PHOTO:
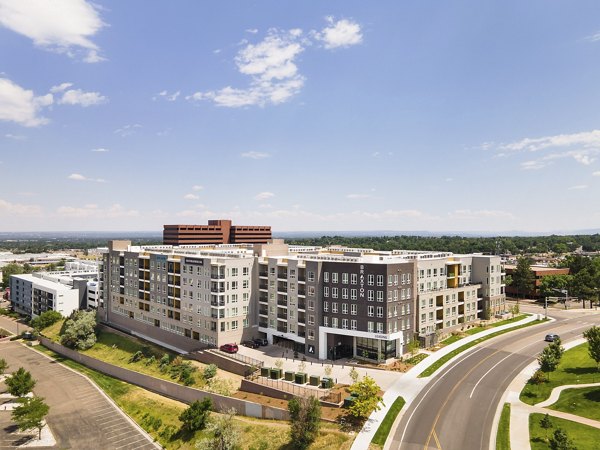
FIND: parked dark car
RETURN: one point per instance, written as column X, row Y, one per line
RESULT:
column 551, row 337
column 262, row 342
column 251, row 344
column 229, row 348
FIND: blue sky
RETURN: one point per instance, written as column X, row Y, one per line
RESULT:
column 338, row 115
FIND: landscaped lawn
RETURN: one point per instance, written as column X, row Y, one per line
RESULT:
column 159, row 417
column 583, row 402
column 476, row 330
column 584, row 437
column 576, row 367
column 503, row 435
column 386, row 424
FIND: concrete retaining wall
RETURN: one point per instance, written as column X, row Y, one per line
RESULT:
column 167, row 388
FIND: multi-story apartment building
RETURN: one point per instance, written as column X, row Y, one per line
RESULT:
column 326, row 302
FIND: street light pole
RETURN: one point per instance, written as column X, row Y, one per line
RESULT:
column 546, row 308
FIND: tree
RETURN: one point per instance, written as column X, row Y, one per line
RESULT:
column 523, row 277
column 557, row 349
column 225, row 434
column 79, row 331
column 413, row 346
column 8, row 270
column 515, row 310
column 194, row 418
column 305, row 417
column 367, row 396
column 354, row 374
column 30, row 414
column 593, row 337
column 549, row 283
column 209, row 372
column 547, row 360
column 546, row 424
column 560, row 441
column 3, row 366
column 20, row 383
column 45, row 319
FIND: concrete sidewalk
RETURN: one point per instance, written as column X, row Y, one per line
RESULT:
column 409, row 385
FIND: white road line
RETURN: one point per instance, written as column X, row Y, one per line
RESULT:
column 133, row 442
column 125, row 438
column 427, row 392
column 122, row 433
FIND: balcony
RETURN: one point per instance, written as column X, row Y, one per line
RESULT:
column 217, row 276
column 263, row 312
column 217, row 289
column 217, row 302
column 263, row 324
column 263, row 285
column 281, row 316
column 282, row 302
column 282, row 329
column 302, row 305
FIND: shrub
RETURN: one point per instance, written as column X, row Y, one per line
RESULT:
column 46, row 319
column 136, row 357
column 209, row 372
column 538, row 377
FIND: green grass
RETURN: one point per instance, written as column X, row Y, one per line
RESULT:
column 444, row 359
column 583, row 437
column 452, row 339
column 386, row 424
column 576, row 367
column 584, row 402
column 159, row 416
column 503, row 435
column 414, row 360
column 476, row 330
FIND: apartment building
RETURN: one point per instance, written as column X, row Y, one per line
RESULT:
column 216, row 232
column 325, row 302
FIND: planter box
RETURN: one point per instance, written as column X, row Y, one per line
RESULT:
column 314, row 380
column 264, row 372
column 289, row 376
column 276, row 374
column 300, row 378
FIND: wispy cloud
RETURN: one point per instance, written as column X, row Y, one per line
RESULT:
column 166, row 96
column 100, row 150
column 256, row 155
column 577, row 187
column 82, row 98
column 271, row 65
column 264, row 196
column 95, row 211
column 586, row 139
column 8, row 209
column 357, row 196
column 593, row 37
column 127, row 130
column 191, row 197
column 596, row 173
column 15, row 137
column 197, row 187
column 79, row 177
column 63, row 26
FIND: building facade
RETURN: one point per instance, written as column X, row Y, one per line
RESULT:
column 216, row 232
column 325, row 302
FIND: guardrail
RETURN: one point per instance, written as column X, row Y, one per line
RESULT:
column 242, row 358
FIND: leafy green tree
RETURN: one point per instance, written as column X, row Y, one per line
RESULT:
column 3, row 365
column 20, row 383
column 367, row 397
column 30, row 414
column 593, row 337
column 225, row 434
column 194, row 418
column 80, row 330
column 354, row 375
column 551, row 282
column 547, row 360
column 523, row 277
column 46, row 319
column 546, row 423
column 557, row 349
column 305, row 417
column 560, row 441
column 209, row 372
column 8, row 270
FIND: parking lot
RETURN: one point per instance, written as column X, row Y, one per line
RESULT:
column 80, row 416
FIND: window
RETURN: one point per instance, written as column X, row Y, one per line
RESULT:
column 396, row 280
column 311, row 291
column 325, row 321
column 325, row 291
column 423, row 318
column 334, row 322
column 345, row 293
column 311, row 319
column 370, row 295
column 353, row 324
column 311, row 335
column 245, row 270
column 311, row 305
column 370, row 311
column 334, row 307
column 311, row 275
column 353, row 278
column 234, row 324
column 353, row 294
column 334, row 277
column 370, row 280
column 390, row 280
column 345, row 324
column 379, row 327
column 344, row 308
column 380, row 311
column 234, row 271
column 325, row 306
column 334, row 292
column 353, row 309
column 344, row 278
column 379, row 280
column 379, row 296
column 370, row 327
column 245, row 284
column 403, row 278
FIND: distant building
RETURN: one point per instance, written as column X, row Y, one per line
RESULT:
column 540, row 273
column 216, row 232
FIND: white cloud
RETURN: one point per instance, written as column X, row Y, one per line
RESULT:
column 16, row 137
column 342, row 33
column 577, row 187
column 265, row 206
column 21, row 105
column 94, row 211
column 533, row 165
column 357, row 196
column 596, row 173
column 255, row 155
column 60, row 88
column 79, row 97
column 8, row 209
column 79, row 177
column 168, row 97
column 197, row 187
column 191, row 197
column 593, row 38
column 586, row 139
column 252, row 30
column 263, row 195
column 449, row 180
column 127, row 130
column 64, row 26
column 100, row 150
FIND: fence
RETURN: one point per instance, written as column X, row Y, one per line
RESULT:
column 242, row 358
column 285, row 390
column 167, row 388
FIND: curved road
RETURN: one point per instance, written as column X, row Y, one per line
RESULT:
column 455, row 411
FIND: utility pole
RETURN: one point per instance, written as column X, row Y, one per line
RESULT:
column 546, row 308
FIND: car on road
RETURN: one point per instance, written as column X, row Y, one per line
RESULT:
column 551, row 337
column 262, row 342
column 229, row 348
column 251, row 344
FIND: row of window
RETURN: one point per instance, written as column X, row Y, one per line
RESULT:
column 405, row 294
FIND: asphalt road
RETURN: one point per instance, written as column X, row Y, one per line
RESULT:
column 455, row 411
column 80, row 416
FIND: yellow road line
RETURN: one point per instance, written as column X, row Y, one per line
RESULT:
column 437, row 441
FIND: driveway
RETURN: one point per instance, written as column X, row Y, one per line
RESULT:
column 80, row 417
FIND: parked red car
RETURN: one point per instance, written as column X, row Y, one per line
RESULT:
column 229, row 348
